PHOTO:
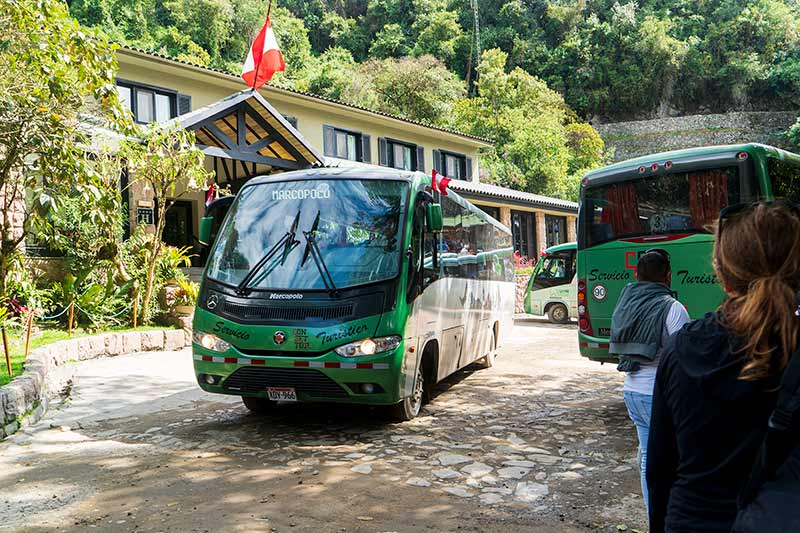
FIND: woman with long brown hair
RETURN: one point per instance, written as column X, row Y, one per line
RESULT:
column 718, row 379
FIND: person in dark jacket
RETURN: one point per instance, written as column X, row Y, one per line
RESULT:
column 717, row 379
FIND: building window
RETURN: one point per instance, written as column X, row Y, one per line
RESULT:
column 490, row 210
column 452, row 164
column 556, row 229
column 291, row 120
column 148, row 104
column 523, row 224
column 401, row 155
column 345, row 144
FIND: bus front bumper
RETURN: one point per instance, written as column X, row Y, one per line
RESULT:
column 595, row 348
column 375, row 380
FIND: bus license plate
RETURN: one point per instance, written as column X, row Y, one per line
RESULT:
column 282, row 394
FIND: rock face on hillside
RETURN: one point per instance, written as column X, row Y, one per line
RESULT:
column 642, row 137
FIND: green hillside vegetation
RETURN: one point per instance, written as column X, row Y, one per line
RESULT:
column 544, row 63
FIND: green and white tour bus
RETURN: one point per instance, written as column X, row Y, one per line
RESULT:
column 357, row 285
column 668, row 201
column 553, row 287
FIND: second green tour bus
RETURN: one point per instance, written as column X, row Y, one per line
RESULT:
column 357, row 285
column 552, row 289
column 667, row 201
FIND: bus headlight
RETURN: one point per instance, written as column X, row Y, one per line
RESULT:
column 369, row 346
column 210, row 342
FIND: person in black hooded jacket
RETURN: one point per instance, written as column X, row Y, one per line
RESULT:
column 717, row 380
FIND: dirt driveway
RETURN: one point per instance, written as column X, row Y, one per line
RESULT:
column 541, row 442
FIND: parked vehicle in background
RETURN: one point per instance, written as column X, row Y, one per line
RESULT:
column 668, row 201
column 553, row 287
column 357, row 285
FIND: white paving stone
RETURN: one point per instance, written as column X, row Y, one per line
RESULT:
column 544, row 459
column 523, row 464
column 513, row 472
column 448, row 459
column 477, row 469
column 490, row 498
column 459, row 491
column 362, row 469
column 418, row 482
column 446, row 473
column 529, row 491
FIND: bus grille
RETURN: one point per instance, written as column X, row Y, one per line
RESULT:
column 263, row 312
column 306, row 381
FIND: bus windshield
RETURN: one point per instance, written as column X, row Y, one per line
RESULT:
column 357, row 233
column 686, row 202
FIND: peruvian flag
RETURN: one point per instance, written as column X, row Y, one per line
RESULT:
column 210, row 195
column 264, row 58
column 441, row 186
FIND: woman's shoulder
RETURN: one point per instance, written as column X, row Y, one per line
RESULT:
column 700, row 346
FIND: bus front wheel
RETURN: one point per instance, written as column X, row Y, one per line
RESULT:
column 259, row 406
column 558, row 314
column 409, row 408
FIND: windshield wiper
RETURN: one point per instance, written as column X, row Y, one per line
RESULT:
column 313, row 249
column 288, row 242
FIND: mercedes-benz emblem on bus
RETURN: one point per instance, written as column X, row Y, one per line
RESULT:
column 279, row 337
column 212, row 301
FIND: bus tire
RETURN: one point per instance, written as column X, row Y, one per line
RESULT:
column 487, row 361
column 558, row 314
column 409, row 407
column 259, row 406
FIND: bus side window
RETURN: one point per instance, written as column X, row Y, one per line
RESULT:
column 784, row 177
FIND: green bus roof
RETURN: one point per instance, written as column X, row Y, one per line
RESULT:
column 560, row 247
column 751, row 148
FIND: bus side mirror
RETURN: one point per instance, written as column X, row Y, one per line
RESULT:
column 433, row 217
column 205, row 230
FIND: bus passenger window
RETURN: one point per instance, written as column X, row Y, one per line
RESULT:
column 784, row 176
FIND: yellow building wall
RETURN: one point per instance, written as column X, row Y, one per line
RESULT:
column 206, row 87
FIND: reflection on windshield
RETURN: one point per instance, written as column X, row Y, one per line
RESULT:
column 358, row 232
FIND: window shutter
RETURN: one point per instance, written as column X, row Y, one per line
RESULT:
column 468, row 175
column 184, row 104
column 420, row 158
column 366, row 149
column 382, row 159
column 328, row 141
column 436, row 164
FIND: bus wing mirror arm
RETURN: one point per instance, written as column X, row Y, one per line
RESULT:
column 205, row 230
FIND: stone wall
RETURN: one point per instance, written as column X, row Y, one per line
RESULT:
column 522, row 286
column 48, row 370
column 642, row 137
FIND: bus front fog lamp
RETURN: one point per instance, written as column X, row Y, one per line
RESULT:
column 210, row 342
column 369, row 346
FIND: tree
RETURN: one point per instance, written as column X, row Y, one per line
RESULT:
column 51, row 69
column 437, row 34
column 390, row 41
column 417, row 88
column 165, row 158
column 538, row 147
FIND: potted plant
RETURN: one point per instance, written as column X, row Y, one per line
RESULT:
column 185, row 297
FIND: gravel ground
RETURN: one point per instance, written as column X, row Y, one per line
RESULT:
column 540, row 442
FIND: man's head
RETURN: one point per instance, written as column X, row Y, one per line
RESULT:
column 654, row 266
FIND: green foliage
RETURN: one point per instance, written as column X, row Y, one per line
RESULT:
column 51, row 69
column 166, row 158
column 418, row 88
column 539, row 148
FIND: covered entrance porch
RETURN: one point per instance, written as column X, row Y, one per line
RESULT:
column 242, row 136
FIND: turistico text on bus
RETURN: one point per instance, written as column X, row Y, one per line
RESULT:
column 666, row 201
column 358, row 285
column 553, row 286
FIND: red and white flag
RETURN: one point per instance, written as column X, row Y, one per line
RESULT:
column 210, row 195
column 264, row 58
column 441, row 185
